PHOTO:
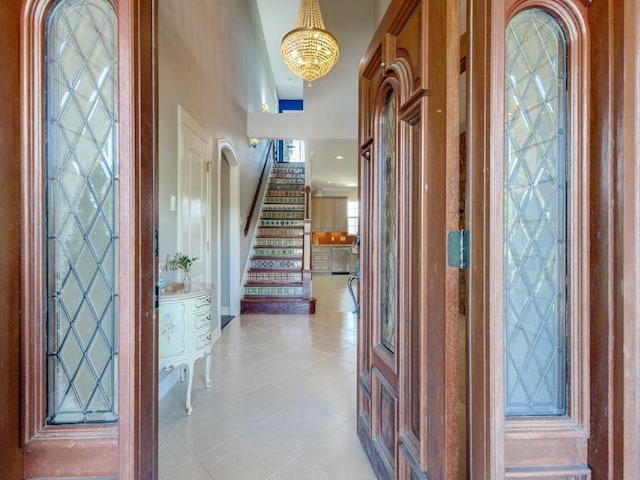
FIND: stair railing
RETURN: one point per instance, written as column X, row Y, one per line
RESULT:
column 271, row 155
column 306, row 247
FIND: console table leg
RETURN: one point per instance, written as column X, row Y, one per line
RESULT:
column 207, row 370
column 190, row 368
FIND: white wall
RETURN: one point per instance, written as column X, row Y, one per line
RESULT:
column 210, row 63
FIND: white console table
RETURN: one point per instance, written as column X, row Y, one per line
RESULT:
column 186, row 332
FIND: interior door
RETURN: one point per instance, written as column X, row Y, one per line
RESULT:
column 81, row 316
column 195, row 209
column 408, row 353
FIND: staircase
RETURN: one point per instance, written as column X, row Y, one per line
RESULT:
column 276, row 281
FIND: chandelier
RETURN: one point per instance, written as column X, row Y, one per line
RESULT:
column 309, row 50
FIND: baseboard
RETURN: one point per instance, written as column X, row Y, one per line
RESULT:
column 225, row 310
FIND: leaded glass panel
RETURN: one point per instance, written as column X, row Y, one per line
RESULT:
column 388, row 223
column 536, row 216
column 81, row 212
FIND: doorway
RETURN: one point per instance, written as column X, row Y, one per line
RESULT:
column 230, row 229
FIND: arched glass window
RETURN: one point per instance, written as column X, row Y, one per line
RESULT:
column 388, row 223
column 81, row 212
column 536, row 209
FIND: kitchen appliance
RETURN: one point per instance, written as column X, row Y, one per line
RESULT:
column 341, row 260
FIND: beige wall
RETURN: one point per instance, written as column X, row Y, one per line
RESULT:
column 212, row 65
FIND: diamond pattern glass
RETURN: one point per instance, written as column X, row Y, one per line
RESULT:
column 535, row 216
column 388, row 261
column 82, row 193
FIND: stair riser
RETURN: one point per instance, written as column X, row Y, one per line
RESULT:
column 273, row 291
column 286, row 181
column 289, row 200
column 277, row 252
column 281, row 215
column 285, row 187
column 279, row 306
column 273, row 277
column 286, row 242
column 281, row 223
column 283, row 193
column 280, row 232
column 275, row 264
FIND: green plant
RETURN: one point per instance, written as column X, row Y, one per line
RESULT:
column 180, row 261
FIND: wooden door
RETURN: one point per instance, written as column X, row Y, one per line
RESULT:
column 409, row 198
column 532, row 310
column 83, row 250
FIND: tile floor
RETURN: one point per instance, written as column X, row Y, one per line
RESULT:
column 283, row 400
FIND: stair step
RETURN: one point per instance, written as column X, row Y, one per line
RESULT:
column 281, row 223
column 278, row 242
column 276, row 263
column 277, row 252
column 273, row 290
column 274, row 276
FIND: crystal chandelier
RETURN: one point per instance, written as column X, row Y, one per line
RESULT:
column 309, row 50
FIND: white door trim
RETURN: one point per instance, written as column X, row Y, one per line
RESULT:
column 226, row 147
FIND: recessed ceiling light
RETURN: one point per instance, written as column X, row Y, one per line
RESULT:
column 339, row 157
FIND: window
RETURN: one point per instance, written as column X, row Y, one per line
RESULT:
column 352, row 214
column 536, row 212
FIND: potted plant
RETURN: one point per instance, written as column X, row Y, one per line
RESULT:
column 183, row 262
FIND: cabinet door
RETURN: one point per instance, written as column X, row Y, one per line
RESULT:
column 172, row 332
column 317, row 219
column 340, row 215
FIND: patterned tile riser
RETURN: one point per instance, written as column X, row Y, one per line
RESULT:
column 283, row 215
column 296, row 171
column 289, row 242
column 275, row 277
column 283, row 291
column 285, row 200
column 284, row 193
column 280, row 232
column 286, row 181
column 275, row 264
column 286, row 186
column 277, row 252
column 281, row 223
column 283, row 208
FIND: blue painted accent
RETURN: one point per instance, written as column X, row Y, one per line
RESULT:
column 290, row 105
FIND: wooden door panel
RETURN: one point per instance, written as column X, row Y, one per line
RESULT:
column 126, row 449
column 407, row 389
column 505, row 443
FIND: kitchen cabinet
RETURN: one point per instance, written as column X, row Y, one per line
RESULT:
column 321, row 258
column 186, row 332
column 329, row 214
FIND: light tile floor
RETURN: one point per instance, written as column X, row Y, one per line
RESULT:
column 282, row 404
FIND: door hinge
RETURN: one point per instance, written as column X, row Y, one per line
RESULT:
column 458, row 249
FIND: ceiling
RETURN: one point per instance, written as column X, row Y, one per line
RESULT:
column 332, row 98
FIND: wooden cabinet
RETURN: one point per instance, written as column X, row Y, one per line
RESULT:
column 186, row 332
column 321, row 257
column 329, row 214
